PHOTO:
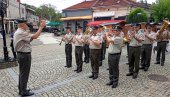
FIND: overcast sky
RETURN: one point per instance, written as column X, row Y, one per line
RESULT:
column 60, row 4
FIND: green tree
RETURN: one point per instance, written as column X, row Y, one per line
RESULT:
column 48, row 12
column 137, row 15
column 161, row 9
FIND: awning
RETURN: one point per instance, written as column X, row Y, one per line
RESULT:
column 96, row 23
column 76, row 18
column 104, row 14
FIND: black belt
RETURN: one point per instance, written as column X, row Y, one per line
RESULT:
column 147, row 44
column 78, row 46
column 135, row 46
column 68, row 44
column 24, row 52
column 115, row 54
column 162, row 41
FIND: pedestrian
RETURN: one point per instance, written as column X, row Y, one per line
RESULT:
column 135, row 44
column 114, row 53
column 68, row 47
column 22, row 46
column 78, row 41
column 95, row 42
column 146, row 49
column 12, row 45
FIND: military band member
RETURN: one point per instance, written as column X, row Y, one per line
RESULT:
column 22, row 39
column 95, row 46
column 78, row 41
column 68, row 47
column 162, row 40
column 135, row 50
column 86, row 48
column 129, row 33
column 101, row 34
column 146, row 49
column 114, row 52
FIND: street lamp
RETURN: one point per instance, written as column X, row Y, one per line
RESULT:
column 3, row 6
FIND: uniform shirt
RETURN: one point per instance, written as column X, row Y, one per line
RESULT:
column 94, row 38
column 121, row 34
column 101, row 34
column 69, row 36
column 147, row 40
column 78, row 36
column 115, row 47
column 164, row 36
column 139, row 34
column 22, row 41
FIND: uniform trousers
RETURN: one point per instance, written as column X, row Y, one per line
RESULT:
column 146, row 52
column 134, row 58
column 161, row 48
column 86, row 53
column 79, row 57
column 24, row 60
column 113, row 61
column 94, row 57
column 68, row 52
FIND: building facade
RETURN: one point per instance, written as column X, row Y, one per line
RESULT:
column 96, row 10
column 78, row 15
column 32, row 19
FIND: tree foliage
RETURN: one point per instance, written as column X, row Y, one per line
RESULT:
column 161, row 9
column 137, row 15
column 48, row 12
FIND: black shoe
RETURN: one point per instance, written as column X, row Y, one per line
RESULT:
column 78, row 71
column 65, row 66
column 129, row 74
column 115, row 84
column 75, row 70
column 146, row 69
column 157, row 63
column 162, row 64
column 141, row 68
column 27, row 93
column 109, row 83
column 135, row 75
column 26, row 90
column 107, row 68
column 91, row 76
column 69, row 66
column 127, row 63
column 95, row 77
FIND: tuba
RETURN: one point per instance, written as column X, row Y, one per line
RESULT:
column 165, row 25
column 87, row 31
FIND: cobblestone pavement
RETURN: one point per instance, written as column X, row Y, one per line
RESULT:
column 49, row 77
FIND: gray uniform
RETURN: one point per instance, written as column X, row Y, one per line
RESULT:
column 22, row 46
column 94, row 54
column 161, row 46
column 68, row 49
column 146, row 51
column 134, row 52
column 114, row 52
column 79, row 51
